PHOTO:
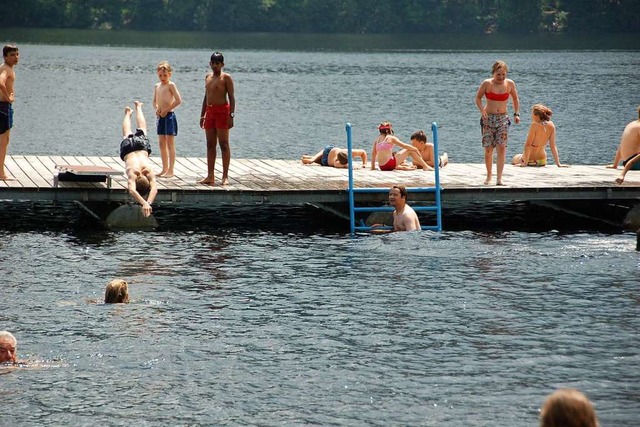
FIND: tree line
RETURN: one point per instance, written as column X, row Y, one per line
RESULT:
column 329, row 16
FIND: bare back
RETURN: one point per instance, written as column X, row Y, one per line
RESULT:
column 540, row 134
column 137, row 162
column 630, row 140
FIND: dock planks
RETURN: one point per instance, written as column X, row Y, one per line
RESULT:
column 291, row 182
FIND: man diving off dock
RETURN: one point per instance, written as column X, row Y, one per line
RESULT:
column 135, row 150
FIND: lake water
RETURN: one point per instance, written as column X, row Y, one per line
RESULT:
column 278, row 317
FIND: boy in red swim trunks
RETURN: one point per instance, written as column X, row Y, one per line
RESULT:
column 216, row 117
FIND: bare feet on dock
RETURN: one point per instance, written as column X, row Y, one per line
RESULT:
column 499, row 182
column 225, row 181
column 6, row 178
column 207, row 181
column 488, row 180
column 168, row 175
column 161, row 174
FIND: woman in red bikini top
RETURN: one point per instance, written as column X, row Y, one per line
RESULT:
column 497, row 90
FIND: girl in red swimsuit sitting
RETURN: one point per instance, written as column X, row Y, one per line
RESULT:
column 388, row 160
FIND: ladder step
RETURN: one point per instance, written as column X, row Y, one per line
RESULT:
column 386, row 190
column 390, row 209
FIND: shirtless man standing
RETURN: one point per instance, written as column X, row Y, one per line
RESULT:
column 7, row 78
column 404, row 217
column 629, row 149
column 216, row 117
column 135, row 150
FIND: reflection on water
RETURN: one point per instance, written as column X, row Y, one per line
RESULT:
column 321, row 42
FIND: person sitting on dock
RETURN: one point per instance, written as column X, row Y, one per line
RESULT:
column 404, row 217
column 419, row 140
column 629, row 149
column 335, row 157
column 382, row 152
column 541, row 132
column 135, row 150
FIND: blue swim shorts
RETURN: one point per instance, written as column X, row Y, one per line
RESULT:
column 6, row 116
column 167, row 125
column 325, row 155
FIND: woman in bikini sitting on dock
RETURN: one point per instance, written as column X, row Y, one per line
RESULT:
column 541, row 132
column 382, row 152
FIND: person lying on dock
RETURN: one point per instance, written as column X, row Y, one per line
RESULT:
column 382, row 152
column 629, row 149
column 135, row 150
column 419, row 140
column 335, row 157
column 541, row 132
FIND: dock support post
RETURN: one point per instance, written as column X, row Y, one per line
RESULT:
column 115, row 215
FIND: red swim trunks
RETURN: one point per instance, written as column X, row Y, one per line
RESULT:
column 217, row 117
column 389, row 166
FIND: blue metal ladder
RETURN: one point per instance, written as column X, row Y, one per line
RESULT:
column 435, row 207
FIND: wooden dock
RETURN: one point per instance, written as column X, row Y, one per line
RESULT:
column 269, row 181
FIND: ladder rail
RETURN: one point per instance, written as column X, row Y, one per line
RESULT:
column 436, row 189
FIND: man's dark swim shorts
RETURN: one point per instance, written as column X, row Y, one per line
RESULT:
column 134, row 142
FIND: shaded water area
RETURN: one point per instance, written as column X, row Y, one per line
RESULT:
column 275, row 315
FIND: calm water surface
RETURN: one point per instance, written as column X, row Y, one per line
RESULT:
column 243, row 318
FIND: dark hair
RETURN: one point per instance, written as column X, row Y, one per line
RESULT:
column 385, row 128
column 142, row 185
column 342, row 158
column 403, row 190
column 217, row 57
column 419, row 135
column 9, row 49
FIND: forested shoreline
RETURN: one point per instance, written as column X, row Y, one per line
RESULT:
column 330, row 16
